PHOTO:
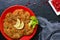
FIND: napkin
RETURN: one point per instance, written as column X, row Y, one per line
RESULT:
column 50, row 31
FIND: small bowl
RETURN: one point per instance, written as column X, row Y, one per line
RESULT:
column 11, row 9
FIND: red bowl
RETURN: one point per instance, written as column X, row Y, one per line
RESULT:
column 11, row 9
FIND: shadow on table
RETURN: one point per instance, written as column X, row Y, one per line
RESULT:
column 39, row 29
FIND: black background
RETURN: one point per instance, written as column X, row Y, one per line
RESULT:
column 39, row 7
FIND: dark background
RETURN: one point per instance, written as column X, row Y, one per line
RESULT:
column 39, row 7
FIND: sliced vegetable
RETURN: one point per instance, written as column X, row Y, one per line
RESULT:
column 33, row 21
column 19, row 25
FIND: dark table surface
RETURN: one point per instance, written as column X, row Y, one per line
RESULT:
column 39, row 7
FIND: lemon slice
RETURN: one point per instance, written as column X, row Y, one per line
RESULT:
column 19, row 25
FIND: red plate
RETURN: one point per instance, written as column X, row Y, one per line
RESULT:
column 11, row 9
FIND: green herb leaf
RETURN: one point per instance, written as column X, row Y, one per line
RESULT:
column 33, row 21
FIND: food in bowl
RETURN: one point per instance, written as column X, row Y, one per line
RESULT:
column 19, row 23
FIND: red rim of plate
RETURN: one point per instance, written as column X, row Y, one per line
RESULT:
column 11, row 9
column 0, row 23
